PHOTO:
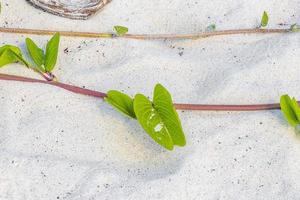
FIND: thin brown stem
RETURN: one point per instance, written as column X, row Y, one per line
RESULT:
column 200, row 107
column 49, row 32
column 143, row 36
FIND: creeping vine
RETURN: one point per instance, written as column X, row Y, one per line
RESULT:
column 157, row 117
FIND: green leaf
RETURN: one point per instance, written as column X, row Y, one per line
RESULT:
column 290, row 110
column 160, row 119
column 35, row 53
column 264, row 19
column 11, row 54
column 122, row 102
column 121, row 30
column 11, row 47
column 52, row 52
column 296, row 108
column 151, row 122
column 21, row 59
column 164, row 105
column 7, row 57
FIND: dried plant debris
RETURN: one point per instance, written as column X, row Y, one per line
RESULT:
column 74, row 9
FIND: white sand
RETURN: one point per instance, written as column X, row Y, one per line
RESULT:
column 59, row 145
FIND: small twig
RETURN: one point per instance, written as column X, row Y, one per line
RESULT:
column 200, row 107
column 143, row 36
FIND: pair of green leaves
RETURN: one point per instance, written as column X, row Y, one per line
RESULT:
column 11, row 54
column 44, row 61
column 290, row 110
column 158, row 118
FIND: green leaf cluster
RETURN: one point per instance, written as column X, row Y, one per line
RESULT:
column 44, row 61
column 158, row 117
column 264, row 19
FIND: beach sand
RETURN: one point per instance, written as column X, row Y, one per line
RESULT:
column 58, row 145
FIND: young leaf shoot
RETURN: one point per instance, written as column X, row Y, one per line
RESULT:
column 264, row 19
column 45, row 63
column 121, row 30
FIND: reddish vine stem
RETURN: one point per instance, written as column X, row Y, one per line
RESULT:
column 200, row 107
column 71, row 88
column 143, row 36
